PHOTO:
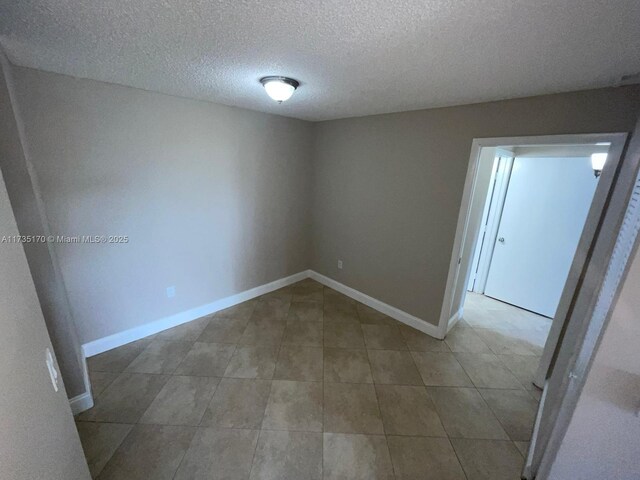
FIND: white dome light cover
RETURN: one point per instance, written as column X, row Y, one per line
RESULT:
column 279, row 88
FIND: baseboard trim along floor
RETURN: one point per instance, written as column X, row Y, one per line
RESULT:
column 84, row 401
column 127, row 336
column 382, row 307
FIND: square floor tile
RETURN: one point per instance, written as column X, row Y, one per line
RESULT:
column 282, row 294
column 294, row 406
column 523, row 367
column 288, row 456
column 489, row 459
column 253, row 362
column 241, row 311
column 383, row 337
column 187, row 332
column 343, row 335
column 408, row 410
column 126, row 399
column 507, row 341
column 219, row 455
column 307, row 294
column 370, row 316
column 462, row 339
column 307, row 334
column 393, row 367
column 299, row 363
column 270, row 309
column 421, row 342
column 237, row 403
column 420, row 457
column 347, row 366
column 465, row 414
column 441, row 369
column 341, row 313
column 486, row 370
column 149, row 451
column 100, row 441
column 333, row 296
column 206, row 359
column 304, row 312
column 523, row 448
column 160, row 357
column 182, row 401
column 515, row 409
column 100, row 381
column 116, row 360
column 223, row 330
column 351, row 408
column 356, row 457
column 263, row 332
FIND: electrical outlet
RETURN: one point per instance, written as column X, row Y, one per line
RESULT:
column 171, row 292
column 339, row 264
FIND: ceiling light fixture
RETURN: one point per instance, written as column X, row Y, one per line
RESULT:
column 597, row 163
column 279, row 88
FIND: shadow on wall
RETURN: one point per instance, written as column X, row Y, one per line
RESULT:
column 213, row 199
column 42, row 263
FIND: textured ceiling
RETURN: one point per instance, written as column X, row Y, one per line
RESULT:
column 352, row 57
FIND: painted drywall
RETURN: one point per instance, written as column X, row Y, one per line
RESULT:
column 602, row 438
column 213, row 199
column 387, row 188
column 39, row 440
column 28, row 212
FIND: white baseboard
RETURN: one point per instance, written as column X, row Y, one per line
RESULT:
column 84, row 401
column 454, row 319
column 393, row 312
column 81, row 402
column 122, row 338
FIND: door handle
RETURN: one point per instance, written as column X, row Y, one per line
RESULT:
column 501, row 239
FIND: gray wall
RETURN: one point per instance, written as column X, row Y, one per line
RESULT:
column 214, row 199
column 39, row 439
column 602, row 438
column 28, row 212
column 388, row 188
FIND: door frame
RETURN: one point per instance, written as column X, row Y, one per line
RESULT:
column 493, row 207
column 466, row 237
column 589, row 313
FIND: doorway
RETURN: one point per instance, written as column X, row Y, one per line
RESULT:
column 497, row 168
column 537, row 202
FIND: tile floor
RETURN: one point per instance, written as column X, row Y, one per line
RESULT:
column 305, row 383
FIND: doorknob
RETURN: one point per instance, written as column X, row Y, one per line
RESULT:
column 501, row 239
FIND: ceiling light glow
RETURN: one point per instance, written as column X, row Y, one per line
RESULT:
column 279, row 88
column 597, row 163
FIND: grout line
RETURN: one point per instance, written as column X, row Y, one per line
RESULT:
column 458, row 458
column 280, row 346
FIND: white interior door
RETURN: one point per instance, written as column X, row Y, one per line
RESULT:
column 544, row 212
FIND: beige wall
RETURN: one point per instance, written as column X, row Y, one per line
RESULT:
column 602, row 440
column 387, row 188
column 28, row 213
column 214, row 199
column 39, row 439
